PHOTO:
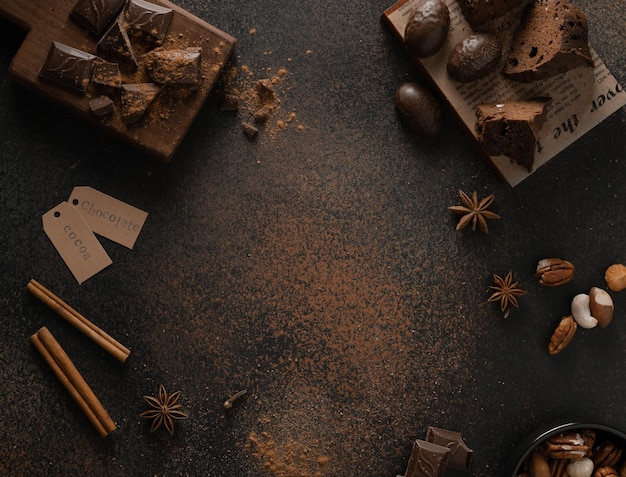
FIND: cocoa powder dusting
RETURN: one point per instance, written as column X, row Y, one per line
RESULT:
column 257, row 104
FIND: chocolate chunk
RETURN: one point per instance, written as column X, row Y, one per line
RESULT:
column 265, row 88
column 136, row 98
column 263, row 114
column 175, row 67
column 116, row 42
column 101, row 106
column 229, row 102
column 474, row 57
column 418, row 109
column 460, row 455
column 249, row 130
column 427, row 28
column 148, row 21
column 427, row 460
column 95, row 16
column 68, row 66
column 106, row 74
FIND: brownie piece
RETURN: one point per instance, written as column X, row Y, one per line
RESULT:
column 510, row 129
column 551, row 40
column 479, row 12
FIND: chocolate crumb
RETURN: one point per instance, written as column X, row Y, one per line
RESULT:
column 265, row 87
column 229, row 102
column 263, row 114
column 101, row 106
column 249, row 129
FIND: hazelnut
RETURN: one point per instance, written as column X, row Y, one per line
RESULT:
column 615, row 277
column 601, row 306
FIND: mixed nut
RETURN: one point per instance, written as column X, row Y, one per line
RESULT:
column 588, row 310
column 584, row 453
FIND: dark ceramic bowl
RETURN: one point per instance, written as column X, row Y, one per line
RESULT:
column 516, row 460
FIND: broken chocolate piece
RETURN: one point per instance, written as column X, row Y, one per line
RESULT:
column 136, row 99
column 263, row 114
column 460, row 455
column 148, row 21
column 427, row 460
column 101, row 106
column 229, row 102
column 265, row 88
column 116, row 42
column 68, row 66
column 249, row 130
column 175, row 67
column 106, row 74
column 95, row 16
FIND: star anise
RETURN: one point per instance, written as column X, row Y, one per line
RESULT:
column 506, row 291
column 474, row 211
column 164, row 410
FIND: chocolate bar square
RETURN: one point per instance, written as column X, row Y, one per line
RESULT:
column 68, row 66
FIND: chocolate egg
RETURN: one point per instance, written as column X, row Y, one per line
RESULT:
column 427, row 28
column 418, row 109
column 474, row 57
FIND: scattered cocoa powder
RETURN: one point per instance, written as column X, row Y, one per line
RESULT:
column 260, row 99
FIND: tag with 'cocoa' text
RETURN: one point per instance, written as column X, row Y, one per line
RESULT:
column 78, row 246
column 107, row 216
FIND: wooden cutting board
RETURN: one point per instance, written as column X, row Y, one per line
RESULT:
column 160, row 132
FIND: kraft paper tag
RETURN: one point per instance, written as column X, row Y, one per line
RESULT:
column 107, row 216
column 78, row 246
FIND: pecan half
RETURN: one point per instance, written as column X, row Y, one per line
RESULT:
column 562, row 335
column 567, row 445
column 607, row 454
column 553, row 272
column 605, row 471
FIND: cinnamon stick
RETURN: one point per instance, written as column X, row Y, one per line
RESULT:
column 70, row 377
column 99, row 336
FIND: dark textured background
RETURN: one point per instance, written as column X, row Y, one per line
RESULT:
column 318, row 268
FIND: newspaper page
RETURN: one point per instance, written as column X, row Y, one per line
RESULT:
column 581, row 98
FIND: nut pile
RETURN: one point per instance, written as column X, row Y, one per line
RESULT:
column 588, row 310
column 585, row 453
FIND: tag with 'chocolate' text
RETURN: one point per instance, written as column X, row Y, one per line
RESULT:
column 78, row 246
column 108, row 216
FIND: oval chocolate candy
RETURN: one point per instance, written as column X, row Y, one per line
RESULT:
column 418, row 109
column 427, row 28
column 474, row 57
